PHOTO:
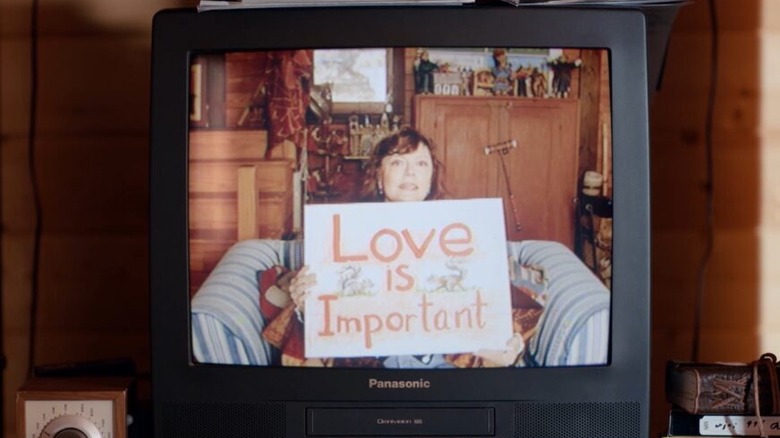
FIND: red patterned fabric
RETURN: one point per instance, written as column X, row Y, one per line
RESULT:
column 283, row 329
column 289, row 76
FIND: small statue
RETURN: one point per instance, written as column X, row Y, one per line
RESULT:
column 562, row 69
column 538, row 83
column 521, row 75
column 504, row 77
column 423, row 73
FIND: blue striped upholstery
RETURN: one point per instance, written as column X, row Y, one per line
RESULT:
column 574, row 328
column 226, row 321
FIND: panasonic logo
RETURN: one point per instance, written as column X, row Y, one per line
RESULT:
column 399, row 384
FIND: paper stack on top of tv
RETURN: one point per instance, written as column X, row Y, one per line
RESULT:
column 595, row 2
column 239, row 4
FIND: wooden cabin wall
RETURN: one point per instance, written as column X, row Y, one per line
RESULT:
column 769, row 202
column 740, row 281
column 91, row 155
column 91, row 162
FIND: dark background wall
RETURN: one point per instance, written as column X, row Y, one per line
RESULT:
column 91, row 158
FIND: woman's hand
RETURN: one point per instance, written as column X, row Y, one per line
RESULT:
column 300, row 285
column 505, row 358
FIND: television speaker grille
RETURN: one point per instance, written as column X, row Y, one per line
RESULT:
column 218, row 420
column 584, row 420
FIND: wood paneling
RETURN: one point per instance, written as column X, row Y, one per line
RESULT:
column 733, row 289
column 93, row 86
column 91, row 152
column 93, row 110
column 227, row 145
column 234, row 194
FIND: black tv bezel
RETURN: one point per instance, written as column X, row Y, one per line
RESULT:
column 177, row 34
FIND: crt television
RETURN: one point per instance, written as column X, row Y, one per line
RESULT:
column 536, row 118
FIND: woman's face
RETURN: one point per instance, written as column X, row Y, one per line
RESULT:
column 407, row 177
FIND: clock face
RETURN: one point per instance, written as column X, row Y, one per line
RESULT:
column 77, row 407
column 47, row 418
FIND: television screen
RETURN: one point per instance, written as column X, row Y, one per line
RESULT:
column 400, row 221
column 402, row 131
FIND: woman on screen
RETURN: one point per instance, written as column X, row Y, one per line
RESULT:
column 404, row 168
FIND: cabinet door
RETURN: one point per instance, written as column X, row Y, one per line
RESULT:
column 460, row 129
column 541, row 172
column 542, row 169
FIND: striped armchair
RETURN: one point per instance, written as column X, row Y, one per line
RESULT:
column 227, row 324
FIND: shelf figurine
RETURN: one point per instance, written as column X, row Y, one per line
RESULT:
column 423, row 73
column 503, row 74
column 562, row 69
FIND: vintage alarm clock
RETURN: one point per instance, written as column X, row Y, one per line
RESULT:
column 78, row 407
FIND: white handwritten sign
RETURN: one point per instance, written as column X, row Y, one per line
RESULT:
column 406, row 278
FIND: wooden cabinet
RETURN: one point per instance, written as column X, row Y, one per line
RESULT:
column 541, row 170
